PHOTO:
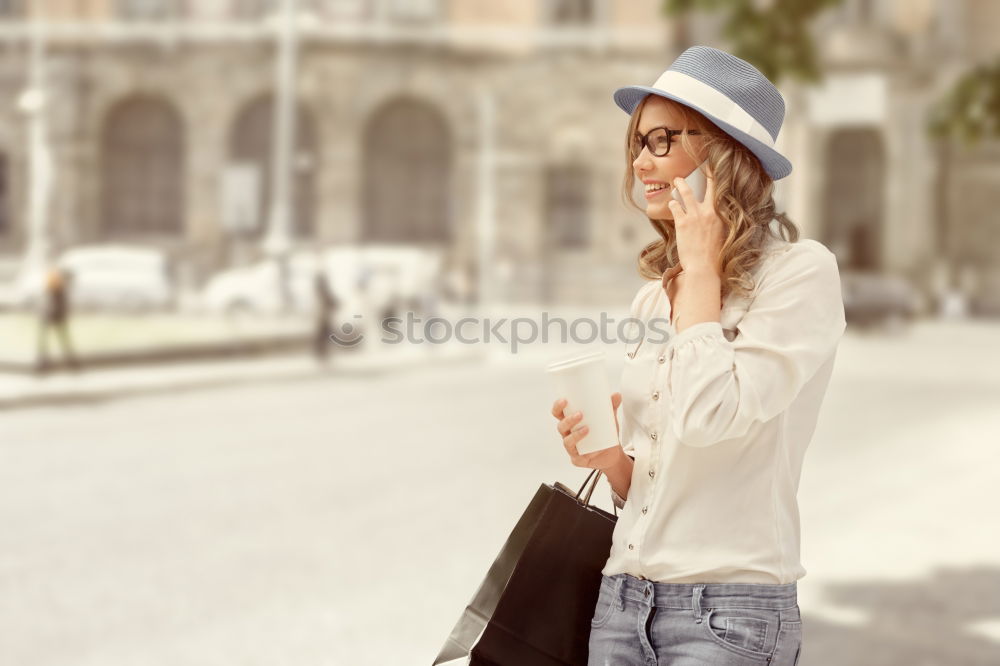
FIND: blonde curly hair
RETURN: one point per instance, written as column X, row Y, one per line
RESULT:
column 743, row 199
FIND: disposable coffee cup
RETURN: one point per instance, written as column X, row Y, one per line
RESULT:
column 583, row 381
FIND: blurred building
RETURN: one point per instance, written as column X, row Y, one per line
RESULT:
column 161, row 116
column 882, row 194
column 483, row 128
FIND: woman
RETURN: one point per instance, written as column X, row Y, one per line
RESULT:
column 716, row 420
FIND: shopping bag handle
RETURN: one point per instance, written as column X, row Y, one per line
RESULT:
column 586, row 500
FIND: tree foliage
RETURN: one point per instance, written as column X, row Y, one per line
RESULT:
column 773, row 35
column 970, row 110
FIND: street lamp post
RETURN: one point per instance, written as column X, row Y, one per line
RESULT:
column 277, row 242
column 486, row 200
column 33, row 102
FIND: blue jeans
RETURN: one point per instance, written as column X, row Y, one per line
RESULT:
column 643, row 623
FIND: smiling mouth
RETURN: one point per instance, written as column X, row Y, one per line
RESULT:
column 655, row 193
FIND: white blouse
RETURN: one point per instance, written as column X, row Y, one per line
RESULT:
column 718, row 419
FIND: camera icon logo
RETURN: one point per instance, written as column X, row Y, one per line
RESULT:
column 349, row 335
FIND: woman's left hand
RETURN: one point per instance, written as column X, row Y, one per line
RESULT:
column 700, row 230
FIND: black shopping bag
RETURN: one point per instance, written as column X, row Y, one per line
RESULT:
column 535, row 605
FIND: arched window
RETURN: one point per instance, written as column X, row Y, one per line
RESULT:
column 251, row 147
column 147, row 10
column 12, row 8
column 407, row 174
column 4, row 194
column 142, row 173
column 853, row 197
column 571, row 12
column 567, row 206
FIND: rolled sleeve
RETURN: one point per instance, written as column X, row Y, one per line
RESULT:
column 617, row 499
column 718, row 388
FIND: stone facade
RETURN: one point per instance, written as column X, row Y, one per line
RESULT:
column 549, row 88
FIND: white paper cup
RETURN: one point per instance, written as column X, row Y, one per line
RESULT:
column 583, row 381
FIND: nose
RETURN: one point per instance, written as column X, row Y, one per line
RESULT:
column 642, row 160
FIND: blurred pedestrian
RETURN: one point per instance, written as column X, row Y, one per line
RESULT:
column 326, row 309
column 54, row 316
column 393, row 307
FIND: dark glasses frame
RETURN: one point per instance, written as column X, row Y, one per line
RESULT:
column 644, row 139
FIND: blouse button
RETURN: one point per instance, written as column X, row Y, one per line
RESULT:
column 644, row 509
column 656, row 395
column 631, row 547
column 662, row 359
column 652, row 435
column 652, row 473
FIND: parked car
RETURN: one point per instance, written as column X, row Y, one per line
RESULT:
column 373, row 275
column 107, row 277
column 875, row 298
column 256, row 288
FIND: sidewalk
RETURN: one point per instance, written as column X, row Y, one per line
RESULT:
column 171, row 352
column 104, row 340
column 96, row 385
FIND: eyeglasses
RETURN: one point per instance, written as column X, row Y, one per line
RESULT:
column 658, row 140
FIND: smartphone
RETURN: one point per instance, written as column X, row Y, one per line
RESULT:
column 696, row 181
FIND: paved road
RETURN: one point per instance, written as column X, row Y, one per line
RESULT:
column 347, row 520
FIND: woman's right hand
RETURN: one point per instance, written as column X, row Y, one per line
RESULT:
column 602, row 459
